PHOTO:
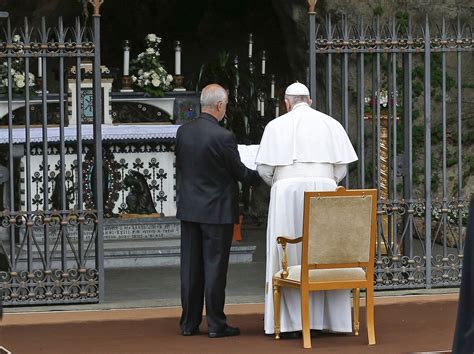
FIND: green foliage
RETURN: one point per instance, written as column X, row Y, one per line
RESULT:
column 416, row 114
column 436, row 135
column 468, row 168
column 243, row 87
column 417, row 89
column 378, row 10
column 451, row 159
column 402, row 19
column 418, row 134
column 468, row 137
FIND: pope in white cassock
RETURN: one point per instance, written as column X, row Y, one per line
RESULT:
column 302, row 150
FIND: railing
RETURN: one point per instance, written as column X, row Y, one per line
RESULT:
column 52, row 266
column 398, row 91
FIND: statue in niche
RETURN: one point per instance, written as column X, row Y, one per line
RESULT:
column 139, row 200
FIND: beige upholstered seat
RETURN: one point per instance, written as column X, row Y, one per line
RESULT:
column 338, row 253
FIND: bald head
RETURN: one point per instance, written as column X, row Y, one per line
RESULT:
column 214, row 101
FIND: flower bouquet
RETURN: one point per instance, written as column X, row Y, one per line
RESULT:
column 148, row 72
column 18, row 75
column 386, row 101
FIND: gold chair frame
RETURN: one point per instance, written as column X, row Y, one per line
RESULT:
column 359, row 270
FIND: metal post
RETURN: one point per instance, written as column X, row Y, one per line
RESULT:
column 408, row 151
column 312, row 50
column 444, row 208
column 99, row 202
column 329, row 69
column 459, row 138
column 427, row 93
column 44, row 102
column 80, row 183
column 361, row 106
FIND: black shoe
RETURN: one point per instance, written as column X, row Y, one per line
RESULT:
column 291, row 335
column 226, row 332
column 193, row 332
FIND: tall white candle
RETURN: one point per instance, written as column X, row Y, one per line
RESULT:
column 250, row 45
column 277, row 109
column 272, row 87
column 263, row 62
column 126, row 59
column 40, row 67
column 258, row 103
column 262, row 109
column 177, row 58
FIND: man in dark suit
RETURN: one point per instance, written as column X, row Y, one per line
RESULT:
column 464, row 333
column 208, row 167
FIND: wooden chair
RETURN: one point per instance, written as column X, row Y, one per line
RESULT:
column 337, row 253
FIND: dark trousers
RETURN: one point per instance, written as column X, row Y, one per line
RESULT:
column 205, row 250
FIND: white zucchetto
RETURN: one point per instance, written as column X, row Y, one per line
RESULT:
column 297, row 89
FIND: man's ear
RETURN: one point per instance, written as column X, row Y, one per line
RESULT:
column 287, row 104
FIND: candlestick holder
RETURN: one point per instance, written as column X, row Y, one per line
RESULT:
column 178, row 83
column 126, row 84
column 39, row 85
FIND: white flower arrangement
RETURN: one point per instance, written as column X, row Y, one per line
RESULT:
column 452, row 214
column 18, row 76
column 149, row 74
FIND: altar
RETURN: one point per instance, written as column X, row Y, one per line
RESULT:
column 145, row 150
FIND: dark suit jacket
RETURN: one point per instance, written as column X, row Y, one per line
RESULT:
column 464, row 333
column 208, row 167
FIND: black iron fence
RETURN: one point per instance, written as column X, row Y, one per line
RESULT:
column 404, row 95
column 52, row 253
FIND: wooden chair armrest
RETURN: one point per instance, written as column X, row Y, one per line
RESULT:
column 282, row 240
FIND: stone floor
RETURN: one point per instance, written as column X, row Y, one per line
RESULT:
column 160, row 286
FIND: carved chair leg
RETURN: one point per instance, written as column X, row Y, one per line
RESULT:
column 276, row 309
column 305, row 318
column 356, row 310
column 369, row 305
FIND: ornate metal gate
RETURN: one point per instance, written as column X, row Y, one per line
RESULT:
column 398, row 91
column 51, row 249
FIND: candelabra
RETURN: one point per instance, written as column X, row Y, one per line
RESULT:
column 126, row 79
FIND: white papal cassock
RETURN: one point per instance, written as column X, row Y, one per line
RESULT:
column 303, row 150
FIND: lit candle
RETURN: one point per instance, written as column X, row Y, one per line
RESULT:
column 250, row 45
column 126, row 58
column 177, row 58
column 272, row 87
column 40, row 67
column 262, row 109
column 263, row 62
column 277, row 108
column 258, row 103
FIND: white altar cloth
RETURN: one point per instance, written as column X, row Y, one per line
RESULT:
column 109, row 132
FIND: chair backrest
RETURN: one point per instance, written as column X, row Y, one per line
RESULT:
column 339, row 228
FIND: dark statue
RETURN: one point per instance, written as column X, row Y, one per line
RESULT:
column 139, row 200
